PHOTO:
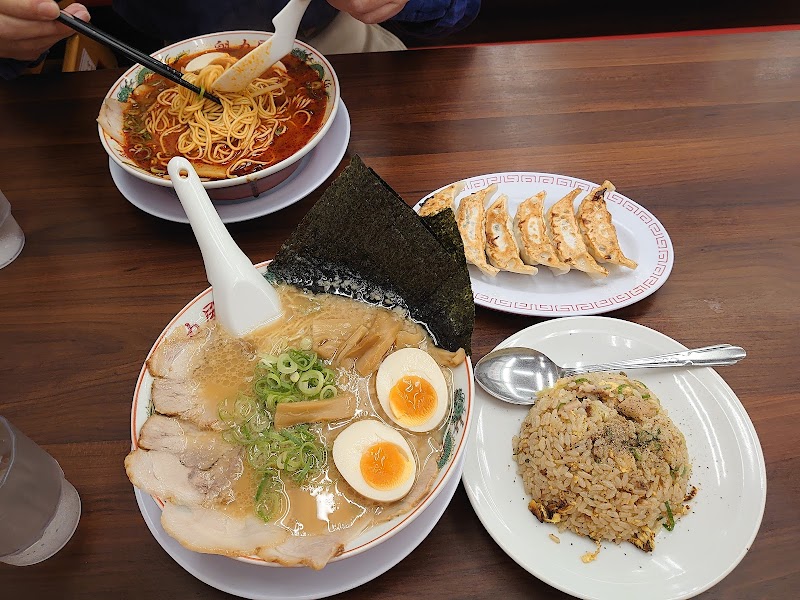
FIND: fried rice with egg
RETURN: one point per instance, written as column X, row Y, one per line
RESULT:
column 599, row 456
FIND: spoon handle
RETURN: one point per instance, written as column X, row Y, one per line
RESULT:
column 710, row 356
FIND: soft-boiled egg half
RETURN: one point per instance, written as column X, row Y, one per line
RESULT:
column 375, row 460
column 412, row 389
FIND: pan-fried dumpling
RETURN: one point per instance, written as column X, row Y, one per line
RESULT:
column 501, row 246
column 470, row 217
column 567, row 237
column 445, row 198
column 535, row 248
column 598, row 231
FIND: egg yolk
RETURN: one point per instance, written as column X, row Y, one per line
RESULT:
column 413, row 400
column 384, row 466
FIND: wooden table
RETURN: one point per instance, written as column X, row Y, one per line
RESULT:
column 703, row 131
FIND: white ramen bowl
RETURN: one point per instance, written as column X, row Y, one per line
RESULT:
column 245, row 186
column 201, row 309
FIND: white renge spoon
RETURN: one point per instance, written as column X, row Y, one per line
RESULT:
column 261, row 58
column 243, row 299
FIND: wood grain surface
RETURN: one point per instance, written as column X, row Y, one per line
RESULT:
column 702, row 131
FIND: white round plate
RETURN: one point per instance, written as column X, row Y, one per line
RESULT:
column 251, row 581
column 641, row 236
column 314, row 169
column 728, row 470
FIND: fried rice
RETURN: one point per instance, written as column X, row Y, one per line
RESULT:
column 599, row 456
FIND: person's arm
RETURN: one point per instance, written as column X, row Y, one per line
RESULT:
column 28, row 29
column 435, row 18
column 420, row 18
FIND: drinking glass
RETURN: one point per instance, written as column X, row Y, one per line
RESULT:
column 39, row 508
column 11, row 237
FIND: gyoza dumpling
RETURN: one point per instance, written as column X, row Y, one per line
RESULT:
column 567, row 237
column 535, row 248
column 598, row 231
column 445, row 198
column 501, row 246
column 470, row 217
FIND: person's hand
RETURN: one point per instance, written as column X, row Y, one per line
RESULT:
column 28, row 27
column 368, row 11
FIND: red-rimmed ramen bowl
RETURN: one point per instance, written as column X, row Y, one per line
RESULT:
column 453, row 428
column 309, row 70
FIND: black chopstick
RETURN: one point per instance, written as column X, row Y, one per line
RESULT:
column 151, row 63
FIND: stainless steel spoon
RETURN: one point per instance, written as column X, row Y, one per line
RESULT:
column 516, row 375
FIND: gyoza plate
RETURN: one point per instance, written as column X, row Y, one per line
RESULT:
column 727, row 460
column 641, row 236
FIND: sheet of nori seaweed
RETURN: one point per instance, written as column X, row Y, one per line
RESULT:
column 363, row 241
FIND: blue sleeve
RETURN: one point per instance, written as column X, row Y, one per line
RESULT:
column 11, row 68
column 435, row 18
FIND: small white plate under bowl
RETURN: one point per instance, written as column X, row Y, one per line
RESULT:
column 641, row 236
column 251, row 581
column 314, row 169
column 201, row 309
column 727, row 460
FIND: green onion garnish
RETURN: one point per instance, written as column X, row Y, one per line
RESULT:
column 670, row 524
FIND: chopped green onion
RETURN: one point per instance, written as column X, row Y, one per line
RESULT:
column 670, row 524
column 636, row 454
column 311, row 383
column 581, row 380
column 285, row 364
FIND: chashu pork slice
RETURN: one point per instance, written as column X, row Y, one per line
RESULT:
column 313, row 551
column 567, row 239
column 501, row 245
column 185, row 400
column 471, row 218
column 214, row 531
column 174, row 355
column 177, row 462
column 598, row 229
column 176, row 390
column 530, row 230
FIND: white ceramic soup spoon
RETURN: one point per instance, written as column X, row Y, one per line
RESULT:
column 516, row 375
column 261, row 58
column 243, row 299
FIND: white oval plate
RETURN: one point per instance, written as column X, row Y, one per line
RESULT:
column 201, row 309
column 641, row 236
column 314, row 169
column 249, row 581
column 728, row 470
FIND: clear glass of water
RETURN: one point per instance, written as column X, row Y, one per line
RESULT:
column 39, row 508
column 11, row 237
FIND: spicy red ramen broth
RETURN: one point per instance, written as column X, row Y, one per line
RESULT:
column 148, row 151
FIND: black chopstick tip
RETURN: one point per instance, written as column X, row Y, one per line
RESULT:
column 212, row 97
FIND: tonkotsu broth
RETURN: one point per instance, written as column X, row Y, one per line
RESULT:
column 225, row 367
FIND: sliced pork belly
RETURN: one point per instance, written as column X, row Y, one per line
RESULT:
column 174, row 355
column 178, row 462
column 194, row 447
column 216, row 532
column 182, row 399
column 313, row 551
